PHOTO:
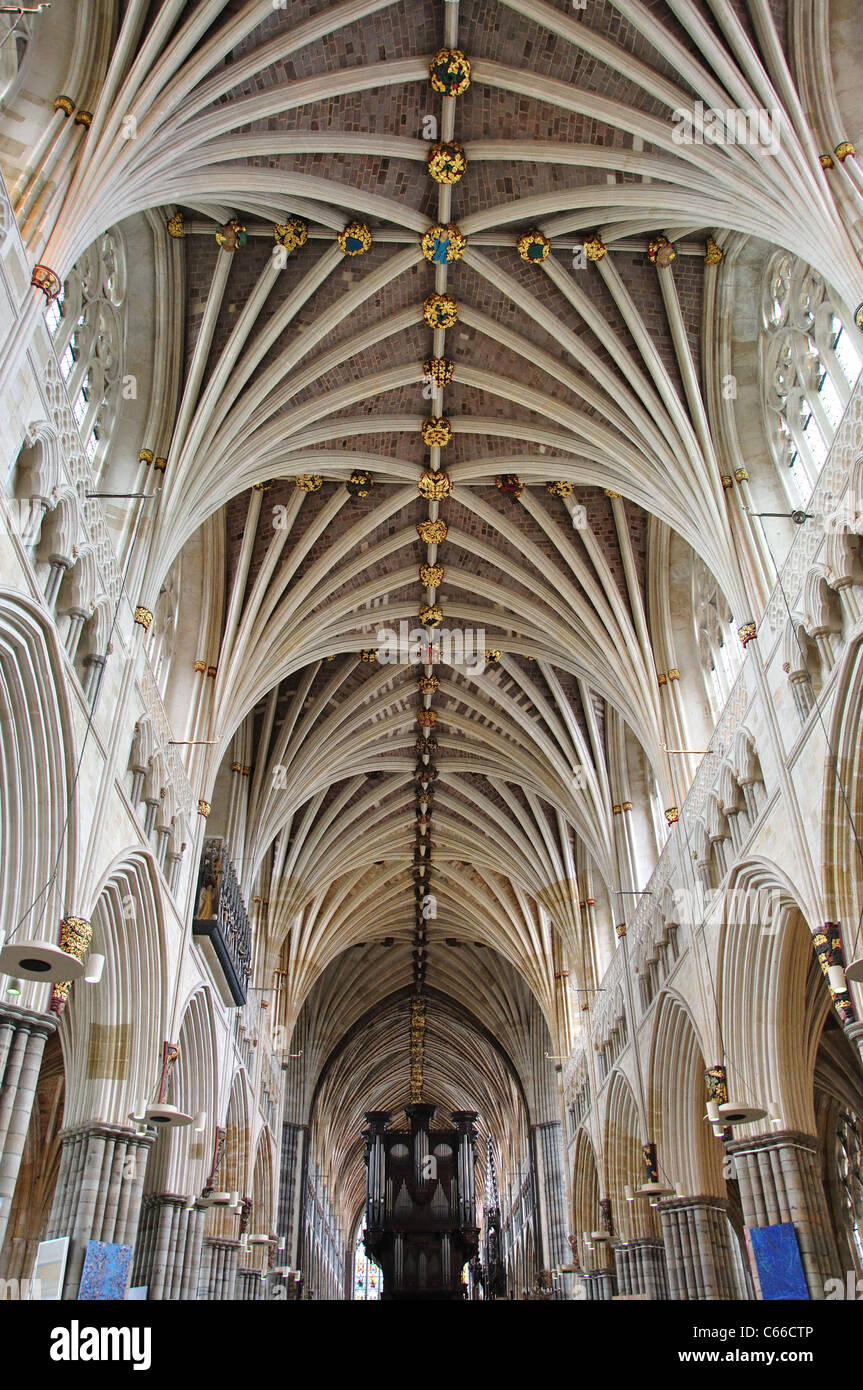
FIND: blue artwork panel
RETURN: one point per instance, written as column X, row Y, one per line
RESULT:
column 106, row 1271
column 777, row 1257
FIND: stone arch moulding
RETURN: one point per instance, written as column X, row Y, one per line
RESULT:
column 36, row 770
column 112, row 1032
column 770, row 1014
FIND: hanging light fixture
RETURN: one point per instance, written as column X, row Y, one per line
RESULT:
column 45, row 960
column 854, row 970
column 162, row 1113
column 652, row 1187
column 720, row 1110
column 94, row 968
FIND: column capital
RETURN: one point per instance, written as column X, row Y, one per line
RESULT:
column 776, row 1139
column 102, row 1130
column 30, row 1019
column 698, row 1200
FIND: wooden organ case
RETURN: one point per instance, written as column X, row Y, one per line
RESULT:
column 421, row 1202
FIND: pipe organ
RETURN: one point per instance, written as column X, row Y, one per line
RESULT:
column 421, row 1223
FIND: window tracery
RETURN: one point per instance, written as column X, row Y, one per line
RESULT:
column 810, row 356
column 87, row 321
column 849, row 1165
column 719, row 654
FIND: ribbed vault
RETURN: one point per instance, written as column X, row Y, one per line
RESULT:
column 294, row 367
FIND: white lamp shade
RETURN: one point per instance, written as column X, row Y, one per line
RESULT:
column 167, row 1116
column 733, row 1114
column 628, row 1193
column 713, row 1111
column 95, row 966
column 854, row 970
column 836, row 977
column 39, row 960
column 200, row 1122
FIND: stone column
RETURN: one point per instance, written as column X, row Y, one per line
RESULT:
column 218, row 1269
column 98, row 1194
column 547, row 1146
column 250, row 1285
column 23, row 1035
column 780, row 1180
column 597, row 1285
column 699, row 1249
column 168, row 1249
column 640, row 1266
column 291, row 1180
column 854, row 1034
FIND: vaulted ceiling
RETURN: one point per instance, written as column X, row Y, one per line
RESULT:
column 590, row 372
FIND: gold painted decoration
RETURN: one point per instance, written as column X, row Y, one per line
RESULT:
column 673, row 673
column 449, row 71
column 727, row 481
column 355, row 240
column 560, row 488
column 432, row 532
column 533, row 246
column 492, row 655
column 435, row 486
column 447, row 162
column 369, row 654
column 620, row 930
column 713, row 254
column 200, row 667
column 428, row 684
column 425, row 774
column 146, row 456
column 858, row 316
column 742, row 475
column 64, row 104
column 84, row 118
column 431, row 576
column 46, row 280
column 440, row 311
column 427, row 717
column 160, row 464
column 440, row 369
column 844, row 150
column 425, row 746
column 609, row 492
column 291, row 234
column 594, row 248
column 76, row 933
column 204, row 808
column 431, row 615
column 510, row 484
column 143, row 617
column 661, row 679
column 747, row 633
column 826, row 161
column 436, row 431
column 231, row 235
column 310, row 482
column 661, row 251
column 442, row 245
column 672, row 815
column 360, row 483
column 716, row 1082
column 175, row 226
